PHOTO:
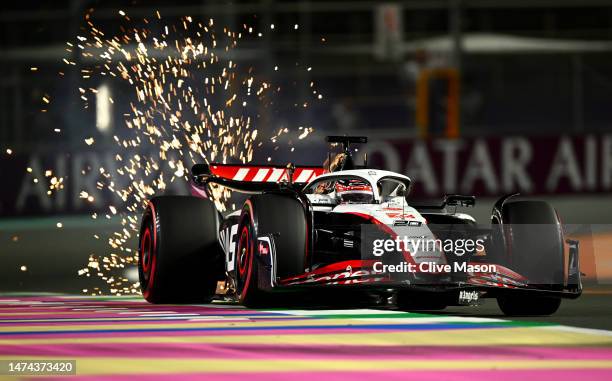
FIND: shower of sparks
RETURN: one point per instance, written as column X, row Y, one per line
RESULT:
column 188, row 106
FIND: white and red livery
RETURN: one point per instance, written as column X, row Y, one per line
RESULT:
column 303, row 229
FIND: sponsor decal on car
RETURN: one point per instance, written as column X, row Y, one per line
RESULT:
column 468, row 297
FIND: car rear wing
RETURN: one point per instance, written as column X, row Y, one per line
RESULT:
column 251, row 178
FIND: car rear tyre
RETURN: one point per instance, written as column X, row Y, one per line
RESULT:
column 533, row 240
column 179, row 256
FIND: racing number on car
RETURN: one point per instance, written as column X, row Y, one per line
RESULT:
column 228, row 241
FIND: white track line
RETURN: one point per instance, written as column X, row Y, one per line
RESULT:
column 567, row 328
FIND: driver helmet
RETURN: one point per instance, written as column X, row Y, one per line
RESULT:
column 354, row 191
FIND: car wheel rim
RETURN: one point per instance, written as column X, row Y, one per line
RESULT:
column 145, row 250
column 244, row 252
column 146, row 257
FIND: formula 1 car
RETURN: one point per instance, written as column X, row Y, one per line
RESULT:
column 301, row 229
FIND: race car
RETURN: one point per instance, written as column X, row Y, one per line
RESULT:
column 307, row 228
